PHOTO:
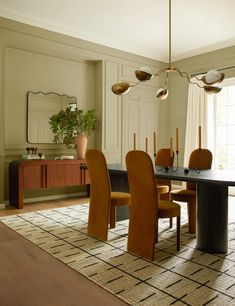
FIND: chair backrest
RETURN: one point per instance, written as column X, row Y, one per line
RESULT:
column 144, row 204
column 163, row 159
column 100, row 194
column 200, row 159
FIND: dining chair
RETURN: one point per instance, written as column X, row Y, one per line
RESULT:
column 103, row 202
column 200, row 159
column 146, row 208
column 164, row 159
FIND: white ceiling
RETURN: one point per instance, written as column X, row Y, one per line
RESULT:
column 136, row 26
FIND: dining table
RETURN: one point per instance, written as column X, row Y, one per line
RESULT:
column 212, row 200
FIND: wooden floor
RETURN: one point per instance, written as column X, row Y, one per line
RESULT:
column 29, row 276
column 29, row 207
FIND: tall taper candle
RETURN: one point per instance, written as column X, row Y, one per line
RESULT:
column 171, row 141
column 200, row 137
column 146, row 144
column 177, row 140
column 154, row 143
column 134, row 141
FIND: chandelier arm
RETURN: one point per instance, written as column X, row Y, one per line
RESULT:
column 130, row 85
column 194, row 83
column 195, row 77
column 135, row 84
column 188, row 77
column 157, row 74
column 183, row 73
column 166, row 81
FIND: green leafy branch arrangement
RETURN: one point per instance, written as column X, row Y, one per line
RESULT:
column 70, row 122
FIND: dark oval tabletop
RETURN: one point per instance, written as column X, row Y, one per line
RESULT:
column 221, row 177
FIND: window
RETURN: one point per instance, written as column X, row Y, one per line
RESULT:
column 221, row 126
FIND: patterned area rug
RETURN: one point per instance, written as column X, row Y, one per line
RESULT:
column 188, row 277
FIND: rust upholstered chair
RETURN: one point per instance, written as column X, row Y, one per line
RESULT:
column 103, row 202
column 145, row 207
column 163, row 159
column 200, row 159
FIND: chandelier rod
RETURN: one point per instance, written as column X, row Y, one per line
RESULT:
column 169, row 33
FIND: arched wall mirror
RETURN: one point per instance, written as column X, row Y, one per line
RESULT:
column 40, row 107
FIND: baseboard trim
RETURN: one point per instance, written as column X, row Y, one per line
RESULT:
column 51, row 197
column 55, row 197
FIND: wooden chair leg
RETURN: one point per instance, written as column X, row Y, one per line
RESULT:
column 170, row 222
column 178, row 233
column 112, row 220
column 192, row 216
column 156, row 231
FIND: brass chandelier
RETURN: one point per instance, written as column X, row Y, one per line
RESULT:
column 208, row 82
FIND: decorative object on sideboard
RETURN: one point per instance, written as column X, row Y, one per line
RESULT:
column 34, row 154
column 208, row 82
column 71, row 126
column 62, row 157
column 32, row 149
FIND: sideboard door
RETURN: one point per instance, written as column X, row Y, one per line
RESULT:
column 63, row 175
column 33, row 177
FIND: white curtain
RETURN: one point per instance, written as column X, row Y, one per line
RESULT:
column 196, row 116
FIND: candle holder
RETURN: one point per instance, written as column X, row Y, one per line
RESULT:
column 169, row 168
column 172, row 169
column 156, row 167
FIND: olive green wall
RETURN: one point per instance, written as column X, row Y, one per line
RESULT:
column 39, row 60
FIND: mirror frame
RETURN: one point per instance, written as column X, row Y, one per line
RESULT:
column 45, row 94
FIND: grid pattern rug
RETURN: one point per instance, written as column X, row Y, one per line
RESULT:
column 188, row 277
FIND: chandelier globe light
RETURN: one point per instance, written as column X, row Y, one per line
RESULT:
column 208, row 82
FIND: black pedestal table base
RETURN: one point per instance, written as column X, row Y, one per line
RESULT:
column 212, row 218
column 119, row 182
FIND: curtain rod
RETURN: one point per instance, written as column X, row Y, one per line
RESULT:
column 221, row 69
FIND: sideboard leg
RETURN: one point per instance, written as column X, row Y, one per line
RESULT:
column 15, row 192
column 88, row 189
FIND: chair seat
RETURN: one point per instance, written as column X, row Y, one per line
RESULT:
column 162, row 189
column 182, row 195
column 120, row 198
column 168, row 209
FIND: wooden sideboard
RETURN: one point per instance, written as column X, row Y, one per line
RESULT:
column 41, row 174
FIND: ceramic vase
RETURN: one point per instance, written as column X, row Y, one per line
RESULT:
column 81, row 145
